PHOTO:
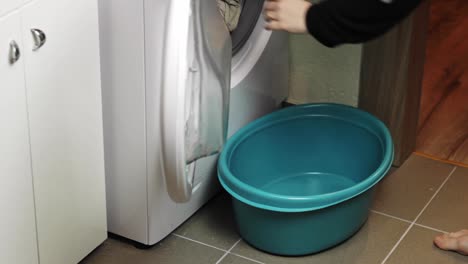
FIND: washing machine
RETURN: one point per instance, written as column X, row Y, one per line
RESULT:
column 176, row 83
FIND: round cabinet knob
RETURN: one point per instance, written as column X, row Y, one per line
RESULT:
column 15, row 53
column 39, row 38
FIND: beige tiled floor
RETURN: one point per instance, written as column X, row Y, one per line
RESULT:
column 369, row 245
column 451, row 202
column 413, row 204
column 213, row 224
column 410, row 187
column 415, row 249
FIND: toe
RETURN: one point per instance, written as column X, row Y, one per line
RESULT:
column 460, row 233
column 446, row 242
column 463, row 245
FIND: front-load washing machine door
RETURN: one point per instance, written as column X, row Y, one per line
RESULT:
column 195, row 90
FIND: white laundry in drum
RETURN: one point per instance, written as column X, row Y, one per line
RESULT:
column 231, row 10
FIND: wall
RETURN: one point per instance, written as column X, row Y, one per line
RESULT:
column 321, row 74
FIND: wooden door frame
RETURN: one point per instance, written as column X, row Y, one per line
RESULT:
column 392, row 70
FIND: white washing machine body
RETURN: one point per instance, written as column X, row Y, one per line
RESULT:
column 134, row 40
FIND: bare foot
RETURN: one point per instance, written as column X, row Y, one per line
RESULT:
column 457, row 241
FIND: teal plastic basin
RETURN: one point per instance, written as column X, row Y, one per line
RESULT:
column 302, row 178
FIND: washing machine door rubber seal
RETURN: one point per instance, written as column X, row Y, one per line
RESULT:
column 251, row 12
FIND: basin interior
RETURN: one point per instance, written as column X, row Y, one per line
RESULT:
column 306, row 156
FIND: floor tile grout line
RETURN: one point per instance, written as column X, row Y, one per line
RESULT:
column 227, row 252
column 199, row 242
column 391, row 216
column 220, row 249
column 431, row 228
column 397, row 244
column 408, row 221
column 417, row 217
column 244, row 257
column 435, row 194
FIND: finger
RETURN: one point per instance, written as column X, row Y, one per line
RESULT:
column 271, row 6
column 273, row 25
column 271, row 15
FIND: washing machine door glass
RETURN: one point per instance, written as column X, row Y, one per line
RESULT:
column 195, row 90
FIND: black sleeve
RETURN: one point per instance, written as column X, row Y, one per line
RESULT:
column 335, row 22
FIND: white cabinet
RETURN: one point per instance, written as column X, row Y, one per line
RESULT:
column 60, row 85
column 65, row 114
column 17, row 224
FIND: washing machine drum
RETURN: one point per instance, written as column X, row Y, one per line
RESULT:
column 240, row 17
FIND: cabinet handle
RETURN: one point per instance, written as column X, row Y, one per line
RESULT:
column 39, row 38
column 15, row 53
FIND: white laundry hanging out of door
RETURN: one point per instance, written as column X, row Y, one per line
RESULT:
column 195, row 94
column 231, row 11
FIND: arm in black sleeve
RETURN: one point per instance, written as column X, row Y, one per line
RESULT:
column 335, row 22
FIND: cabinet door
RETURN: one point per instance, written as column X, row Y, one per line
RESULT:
column 64, row 100
column 8, row 5
column 17, row 223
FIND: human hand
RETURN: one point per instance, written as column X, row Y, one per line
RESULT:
column 288, row 15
